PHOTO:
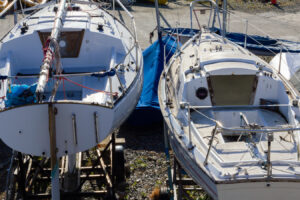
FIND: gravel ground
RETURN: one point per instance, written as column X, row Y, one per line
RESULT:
column 146, row 160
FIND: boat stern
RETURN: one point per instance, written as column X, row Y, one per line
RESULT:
column 259, row 190
column 78, row 127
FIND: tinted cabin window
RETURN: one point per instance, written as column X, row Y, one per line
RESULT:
column 71, row 42
column 232, row 89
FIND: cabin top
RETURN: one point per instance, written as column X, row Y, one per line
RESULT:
column 77, row 17
column 88, row 38
column 216, row 56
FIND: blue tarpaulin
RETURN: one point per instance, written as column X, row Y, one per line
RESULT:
column 147, row 110
column 259, row 45
column 20, row 94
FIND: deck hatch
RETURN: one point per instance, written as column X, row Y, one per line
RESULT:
column 72, row 40
column 232, row 89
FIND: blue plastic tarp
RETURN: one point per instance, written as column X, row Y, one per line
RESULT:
column 257, row 44
column 20, row 94
column 147, row 110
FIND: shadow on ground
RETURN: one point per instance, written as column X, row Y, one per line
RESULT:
column 147, row 138
column 5, row 154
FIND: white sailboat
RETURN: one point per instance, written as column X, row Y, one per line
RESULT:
column 76, row 61
column 233, row 120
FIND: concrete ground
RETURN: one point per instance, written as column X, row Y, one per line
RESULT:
column 276, row 24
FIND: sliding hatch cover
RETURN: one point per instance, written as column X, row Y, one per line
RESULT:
column 232, row 89
column 69, row 42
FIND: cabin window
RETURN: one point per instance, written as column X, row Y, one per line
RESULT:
column 69, row 42
column 232, row 89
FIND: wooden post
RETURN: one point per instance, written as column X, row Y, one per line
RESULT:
column 54, row 162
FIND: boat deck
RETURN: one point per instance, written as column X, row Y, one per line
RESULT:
column 233, row 147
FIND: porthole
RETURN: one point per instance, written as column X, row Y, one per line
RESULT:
column 201, row 93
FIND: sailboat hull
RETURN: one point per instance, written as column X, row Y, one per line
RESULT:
column 259, row 190
column 255, row 189
column 79, row 126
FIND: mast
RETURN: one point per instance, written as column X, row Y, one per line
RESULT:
column 51, row 49
column 224, row 18
column 158, row 20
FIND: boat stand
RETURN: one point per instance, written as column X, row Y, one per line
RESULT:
column 180, row 185
column 183, row 186
column 97, row 173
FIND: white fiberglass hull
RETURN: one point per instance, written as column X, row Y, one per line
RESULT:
column 230, row 167
column 98, row 86
column 266, row 190
column 26, row 128
column 259, row 190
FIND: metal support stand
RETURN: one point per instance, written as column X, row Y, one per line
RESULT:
column 179, row 184
column 183, row 184
column 96, row 168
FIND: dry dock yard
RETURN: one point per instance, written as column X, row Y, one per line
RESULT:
column 146, row 163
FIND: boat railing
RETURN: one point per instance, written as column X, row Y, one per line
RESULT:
column 129, row 14
column 240, row 106
column 214, row 132
column 270, row 138
column 260, row 130
column 113, row 67
column 33, row 8
column 214, row 8
column 243, row 130
column 184, row 105
column 282, row 47
column 59, row 79
column 247, row 35
column 135, row 43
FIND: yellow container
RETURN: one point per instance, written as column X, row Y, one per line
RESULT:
column 3, row 4
column 31, row 3
column 160, row 2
